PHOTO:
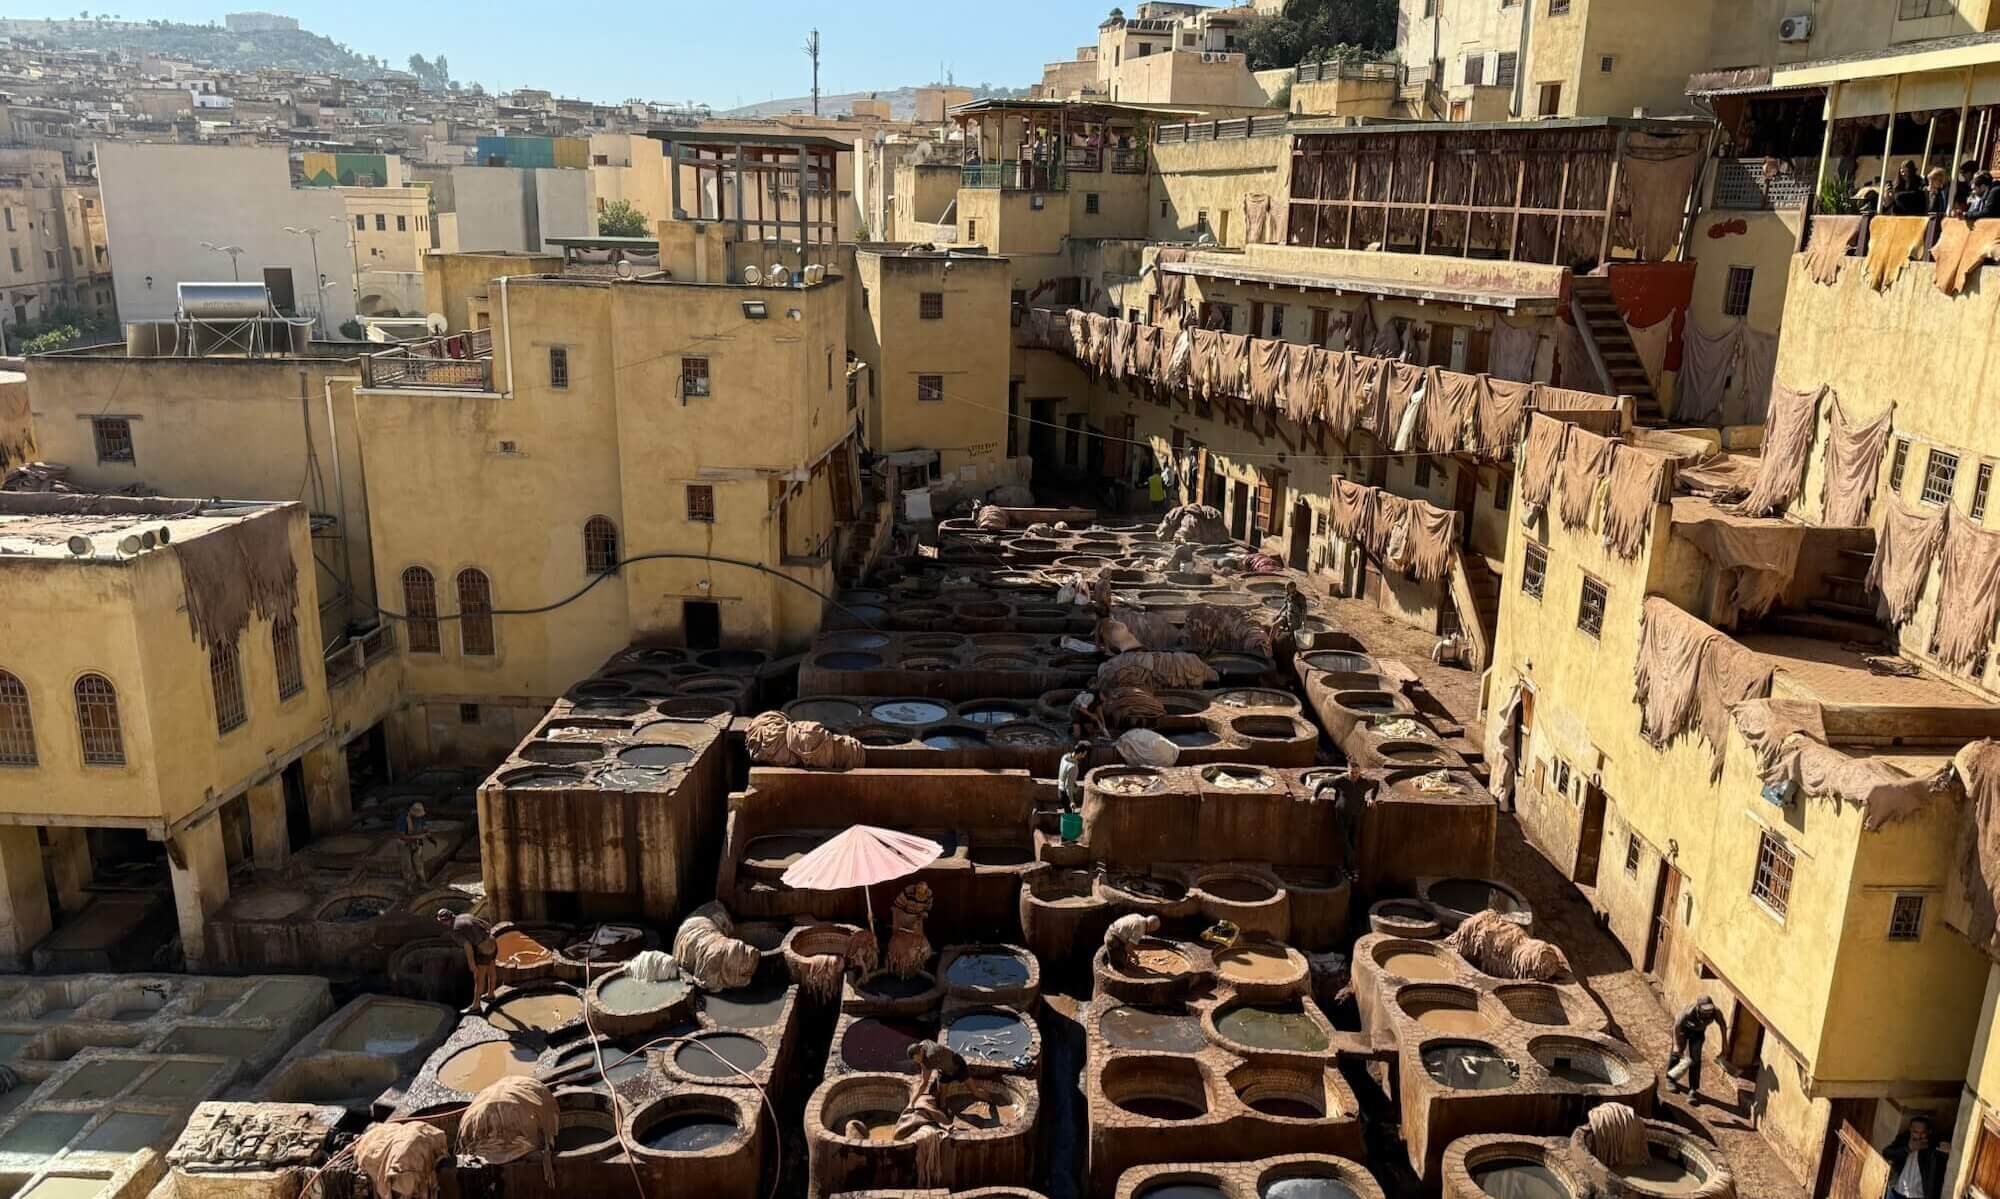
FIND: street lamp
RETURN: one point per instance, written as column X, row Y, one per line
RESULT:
column 311, row 234
column 232, row 251
column 353, row 255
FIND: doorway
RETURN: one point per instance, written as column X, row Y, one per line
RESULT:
column 701, row 624
column 1744, row 1047
column 1239, row 512
column 1302, row 522
column 298, row 813
column 1666, row 900
column 1590, row 835
column 1043, row 429
column 1465, row 496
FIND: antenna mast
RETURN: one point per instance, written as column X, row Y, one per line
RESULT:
column 812, row 52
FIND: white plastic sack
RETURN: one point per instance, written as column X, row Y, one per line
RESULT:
column 1144, row 747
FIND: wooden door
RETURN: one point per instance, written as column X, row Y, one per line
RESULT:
column 1465, row 496
column 1239, row 512
column 1117, row 446
column 1300, row 557
column 1666, row 901
column 1590, row 835
column 1320, row 318
column 1859, row 1172
column 1744, row 1047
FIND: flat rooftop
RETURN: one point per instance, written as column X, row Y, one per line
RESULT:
column 1380, row 286
column 39, row 525
column 1837, row 674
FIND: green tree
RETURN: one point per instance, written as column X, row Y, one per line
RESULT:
column 443, row 69
column 351, row 329
column 54, row 339
column 1311, row 30
column 619, row 219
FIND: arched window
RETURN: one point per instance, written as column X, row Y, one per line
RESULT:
column 225, row 681
column 475, row 613
column 600, row 546
column 420, row 604
column 17, row 723
column 97, row 721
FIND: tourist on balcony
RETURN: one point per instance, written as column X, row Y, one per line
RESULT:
column 1907, row 196
column 1984, row 204
column 1937, row 195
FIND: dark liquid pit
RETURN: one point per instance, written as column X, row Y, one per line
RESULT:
column 881, row 1045
column 1517, row 1178
column 993, row 971
column 688, row 1134
column 1290, row 1109
column 582, row 1136
column 714, row 1056
column 754, row 1006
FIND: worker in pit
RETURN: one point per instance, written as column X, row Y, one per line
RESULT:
column 482, row 952
column 1121, row 940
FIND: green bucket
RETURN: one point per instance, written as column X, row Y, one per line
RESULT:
column 1072, row 826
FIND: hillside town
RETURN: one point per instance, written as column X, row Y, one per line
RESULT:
column 1327, row 599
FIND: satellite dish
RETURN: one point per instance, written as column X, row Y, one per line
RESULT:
column 623, row 269
column 79, row 545
column 752, row 276
column 148, row 539
column 128, row 544
column 436, row 323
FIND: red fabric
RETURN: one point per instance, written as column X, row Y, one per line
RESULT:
column 1649, row 292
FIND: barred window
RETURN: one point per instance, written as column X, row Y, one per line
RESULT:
column 225, row 682
column 1736, row 292
column 558, row 367
column 1590, row 607
column 1771, row 885
column 17, row 723
column 930, row 306
column 1632, row 854
column 113, row 435
column 97, row 721
column 1898, row 462
column 930, row 388
column 420, row 605
column 475, row 613
column 285, row 651
column 1906, row 918
column 701, row 502
column 694, row 378
column 1534, row 570
column 1940, row 476
column 1982, row 484
column 600, row 546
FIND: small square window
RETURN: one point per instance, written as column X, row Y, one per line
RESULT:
column 1940, row 475
column 1550, row 104
column 701, row 503
column 1503, row 491
column 1559, row 775
column 1590, row 607
column 468, row 713
column 1605, row 63
column 1736, row 292
column 1090, row 202
column 1558, row 7
column 930, row 389
column 558, row 367
column 1982, row 484
column 1771, row 883
column 113, row 435
column 694, row 378
column 1475, row 69
column 1632, row 854
column 1506, row 64
column 930, row 306
column 1163, row 210
column 1906, row 918
column 1898, row 462
column 1534, row 570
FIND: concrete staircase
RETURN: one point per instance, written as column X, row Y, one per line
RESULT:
column 1843, row 611
column 1606, row 328
column 861, row 540
column 1475, row 595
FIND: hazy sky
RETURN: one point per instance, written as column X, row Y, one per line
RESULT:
column 722, row 52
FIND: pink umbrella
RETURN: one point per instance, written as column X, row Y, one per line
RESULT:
column 861, row 857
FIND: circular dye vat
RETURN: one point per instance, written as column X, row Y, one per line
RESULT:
column 690, row 707
column 982, row 1113
column 1444, row 1016
column 1158, row 958
column 1365, row 701
column 1145, row 886
column 541, row 1011
column 690, row 1132
column 928, row 662
column 1580, row 1062
column 1160, row 1107
column 720, row 1055
column 1299, row 1187
column 848, row 660
column 578, row 1137
column 608, row 707
column 988, row 715
column 909, row 711
column 994, row 1036
column 561, row 753
column 1238, row 778
column 1255, row 963
column 1151, row 1029
column 356, row 909
column 881, row 1046
column 1026, row 736
column 1193, row 738
column 622, row 1063
column 989, row 971
column 1468, row 1066
column 886, row 986
column 1517, row 1178
column 1665, row 1174
column 854, row 639
column 626, row 994
column 521, row 950
column 1131, row 780
column 1181, row 1190
column 477, row 1067
column 834, row 713
column 1418, row 965
column 1473, row 895
column 657, row 755
column 1285, row 1029
column 1255, row 697
column 949, row 738
column 877, row 1124
column 759, row 1005
column 1237, row 888
column 532, row 779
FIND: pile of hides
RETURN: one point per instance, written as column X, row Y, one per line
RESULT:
column 1788, row 438
column 991, row 518
column 1152, row 630
column 1144, row 747
column 1115, row 637
column 1905, row 547
column 232, row 571
column 510, row 1119
column 653, row 966
column 1720, row 477
column 1688, row 676
column 709, row 953
column 1196, row 524
column 819, row 975
column 400, row 1160
column 1968, row 594
column 1500, row 947
column 39, row 477
column 1618, row 1136
column 1212, row 629
column 1128, row 707
column 1263, row 564
column 1978, row 768
column 1170, row 671
column 1788, row 737
column 776, row 741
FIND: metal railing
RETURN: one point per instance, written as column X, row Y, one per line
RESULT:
column 351, row 659
column 1220, row 131
column 1015, row 176
column 404, row 370
column 1084, row 158
column 1315, row 72
column 1128, row 162
column 1741, row 183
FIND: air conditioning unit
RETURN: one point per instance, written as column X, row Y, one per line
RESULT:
column 1795, row 29
column 1208, row 56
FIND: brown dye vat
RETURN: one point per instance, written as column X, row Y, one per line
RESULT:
column 1159, row 960
column 877, row 1124
column 727, row 1056
column 1156, row 1088
column 477, row 1067
column 558, row 753
column 1517, row 1178
column 1417, row 965
column 1452, row 1020
column 1288, row 1029
column 1265, row 728
column 1146, row 887
column 982, row 1112
column 520, row 950
column 1473, row 895
column 1238, row 778
column 1254, row 963
column 1664, row 1175
column 1533, row 1003
column 881, row 1046
column 1152, row 1030
column 1237, row 888
column 1132, row 780
column 543, row 1012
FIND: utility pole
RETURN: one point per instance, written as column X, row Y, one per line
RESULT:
column 812, row 52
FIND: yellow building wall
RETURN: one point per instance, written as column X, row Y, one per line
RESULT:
column 970, row 347
column 456, row 284
column 17, row 422
column 1193, row 177
column 1746, row 32
column 389, row 248
column 1652, row 53
column 1765, row 245
column 1981, row 1094
column 635, row 171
